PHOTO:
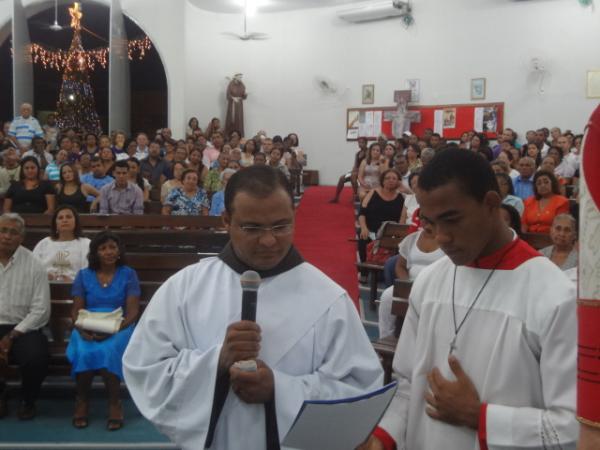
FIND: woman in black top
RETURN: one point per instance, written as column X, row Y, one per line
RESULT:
column 71, row 191
column 381, row 204
column 30, row 194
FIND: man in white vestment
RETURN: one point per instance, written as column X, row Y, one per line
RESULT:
column 308, row 341
column 487, row 354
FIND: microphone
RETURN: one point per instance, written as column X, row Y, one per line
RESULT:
column 250, row 281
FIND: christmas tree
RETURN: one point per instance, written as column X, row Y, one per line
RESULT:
column 76, row 107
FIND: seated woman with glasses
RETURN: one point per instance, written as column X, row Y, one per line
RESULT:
column 188, row 200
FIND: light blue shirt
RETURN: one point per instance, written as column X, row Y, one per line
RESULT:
column 25, row 130
column 217, row 204
column 523, row 188
column 97, row 183
column 53, row 171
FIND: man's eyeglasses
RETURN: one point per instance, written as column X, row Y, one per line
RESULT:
column 277, row 230
column 9, row 231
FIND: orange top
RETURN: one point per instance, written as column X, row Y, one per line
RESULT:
column 538, row 220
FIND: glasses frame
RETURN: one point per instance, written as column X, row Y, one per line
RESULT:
column 283, row 229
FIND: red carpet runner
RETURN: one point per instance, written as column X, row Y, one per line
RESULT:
column 322, row 233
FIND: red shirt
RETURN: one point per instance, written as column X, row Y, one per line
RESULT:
column 539, row 220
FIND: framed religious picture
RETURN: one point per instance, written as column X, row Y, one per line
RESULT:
column 478, row 89
column 593, row 84
column 368, row 94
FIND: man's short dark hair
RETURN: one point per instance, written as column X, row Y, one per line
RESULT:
column 472, row 172
column 121, row 163
column 96, row 159
column 258, row 181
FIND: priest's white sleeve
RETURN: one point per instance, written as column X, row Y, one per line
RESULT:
column 172, row 386
column 555, row 426
column 344, row 365
column 395, row 419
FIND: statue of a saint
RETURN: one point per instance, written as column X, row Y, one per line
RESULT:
column 236, row 94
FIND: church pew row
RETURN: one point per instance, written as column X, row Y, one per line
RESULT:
column 151, row 240
column 131, row 221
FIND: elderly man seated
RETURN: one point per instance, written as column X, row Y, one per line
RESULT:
column 24, row 309
column 24, row 128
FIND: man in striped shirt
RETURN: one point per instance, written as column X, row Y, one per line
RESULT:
column 24, row 310
column 24, row 128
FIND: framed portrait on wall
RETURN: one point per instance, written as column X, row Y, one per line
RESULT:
column 593, row 84
column 478, row 89
column 368, row 94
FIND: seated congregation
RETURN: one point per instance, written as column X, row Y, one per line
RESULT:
column 120, row 175
column 109, row 175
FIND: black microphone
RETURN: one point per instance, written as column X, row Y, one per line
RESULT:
column 250, row 281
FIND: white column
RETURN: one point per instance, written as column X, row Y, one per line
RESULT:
column 119, row 85
column 22, row 65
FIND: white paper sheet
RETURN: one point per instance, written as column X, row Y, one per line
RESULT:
column 352, row 133
column 377, row 123
column 338, row 425
column 438, row 121
column 478, row 120
column 369, row 124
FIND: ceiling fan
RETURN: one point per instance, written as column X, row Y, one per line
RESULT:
column 249, row 5
column 53, row 26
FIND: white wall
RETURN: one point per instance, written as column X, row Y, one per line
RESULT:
column 451, row 42
column 161, row 20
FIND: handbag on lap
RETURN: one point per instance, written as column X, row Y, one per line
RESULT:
column 100, row 322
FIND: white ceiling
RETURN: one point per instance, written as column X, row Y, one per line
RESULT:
column 233, row 6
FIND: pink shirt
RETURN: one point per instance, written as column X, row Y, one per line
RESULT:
column 210, row 155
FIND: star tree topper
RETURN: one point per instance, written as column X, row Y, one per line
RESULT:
column 76, row 16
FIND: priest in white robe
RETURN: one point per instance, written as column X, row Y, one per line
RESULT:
column 308, row 341
column 487, row 354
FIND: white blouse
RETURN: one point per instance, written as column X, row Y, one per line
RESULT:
column 416, row 259
column 411, row 205
column 62, row 258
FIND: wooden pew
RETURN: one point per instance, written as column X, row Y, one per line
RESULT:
column 392, row 235
column 160, row 266
column 151, row 240
column 385, row 346
column 143, row 233
column 131, row 221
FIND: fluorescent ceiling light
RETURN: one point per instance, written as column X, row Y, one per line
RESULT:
column 251, row 6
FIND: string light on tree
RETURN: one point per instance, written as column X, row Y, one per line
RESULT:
column 76, row 107
column 57, row 59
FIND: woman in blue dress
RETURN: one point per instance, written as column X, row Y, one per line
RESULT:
column 105, row 285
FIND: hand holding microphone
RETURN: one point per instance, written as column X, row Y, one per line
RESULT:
column 242, row 340
column 251, row 379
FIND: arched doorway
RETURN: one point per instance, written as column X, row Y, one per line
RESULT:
column 149, row 90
